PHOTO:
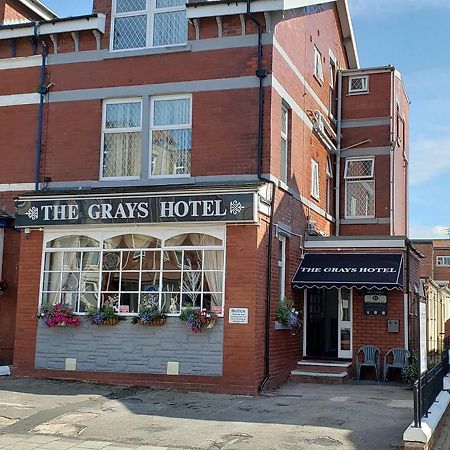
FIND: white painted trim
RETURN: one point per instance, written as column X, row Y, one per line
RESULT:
column 282, row 266
column 292, row 103
column 19, row 99
column 20, row 62
column 325, row 364
column 39, row 8
column 66, row 26
column 16, row 187
column 302, row 79
column 355, row 243
column 430, row 423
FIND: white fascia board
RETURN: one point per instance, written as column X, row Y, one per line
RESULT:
column 356, row 243
column 66, row 26
column 348, row 33
column 40, row 9
column 213, row 9
column 83, row 24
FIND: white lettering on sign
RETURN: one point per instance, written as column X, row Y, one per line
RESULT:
column 60, row 212
column 348, row 269
column 193, row 208
column 238, row 315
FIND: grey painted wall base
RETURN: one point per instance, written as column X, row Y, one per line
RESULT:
column 128, row 348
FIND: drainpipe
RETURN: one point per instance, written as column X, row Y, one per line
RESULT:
column 392, row 156
column 42, row 91
column 338, row 154
column 261, row 73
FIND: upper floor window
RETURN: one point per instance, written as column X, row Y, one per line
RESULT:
column 171, row 136
column 284, row 146
column 443, row 260
column 357, row 85
column 169, row 151
column 318, row 66
column 329, row 185
column 359, row 187
column 148, row 23
column 315, row 189
column 122, row 135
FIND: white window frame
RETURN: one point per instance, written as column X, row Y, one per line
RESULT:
column 315, row 179
column 284, row 171
column 150, row 12
column 358, row 179
column 318, row 65
column 329, row 184
column 159, row 232
column 167, row 127
column 364, row 89
column 119, row 130
column 441, row 261
column 282, row 266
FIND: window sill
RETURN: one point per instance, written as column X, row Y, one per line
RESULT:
column 358, row 93
column 318, row 79
column 111, row 54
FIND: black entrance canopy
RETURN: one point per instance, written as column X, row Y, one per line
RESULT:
column 360, row 270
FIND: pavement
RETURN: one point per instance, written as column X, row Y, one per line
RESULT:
column 45, row 414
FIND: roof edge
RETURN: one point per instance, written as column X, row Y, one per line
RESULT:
column 40, row 9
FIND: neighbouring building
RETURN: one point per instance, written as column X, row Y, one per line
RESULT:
column 435, row 275
column 221, row 155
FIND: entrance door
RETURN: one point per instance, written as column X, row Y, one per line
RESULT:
column 322, row 323
column 345, row 323
column 328, row 325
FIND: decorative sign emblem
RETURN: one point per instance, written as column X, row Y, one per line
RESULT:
column 33, row 213
column 236, row 207
column 226, row 207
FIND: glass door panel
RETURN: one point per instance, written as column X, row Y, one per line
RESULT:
column 345, row 323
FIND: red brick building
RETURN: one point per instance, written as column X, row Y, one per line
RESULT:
column 197, row 155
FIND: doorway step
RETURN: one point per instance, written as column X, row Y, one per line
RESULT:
column 324, row 372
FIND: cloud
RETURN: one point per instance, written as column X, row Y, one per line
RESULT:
column 417, row 231
column 369, row 8
column 430, row 158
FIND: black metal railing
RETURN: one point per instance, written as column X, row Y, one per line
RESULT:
column 428, row 387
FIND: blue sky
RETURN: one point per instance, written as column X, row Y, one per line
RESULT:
column 412, row 35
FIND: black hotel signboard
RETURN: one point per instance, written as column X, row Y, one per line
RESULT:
column 40, row 212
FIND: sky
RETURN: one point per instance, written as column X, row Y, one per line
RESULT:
column 412, row 35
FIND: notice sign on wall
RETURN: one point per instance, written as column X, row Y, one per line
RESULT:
column 238, row 315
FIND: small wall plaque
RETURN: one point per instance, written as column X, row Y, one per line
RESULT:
column 238, row 315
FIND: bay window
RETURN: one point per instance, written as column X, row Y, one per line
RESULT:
column 178, row 271
column 148, row 23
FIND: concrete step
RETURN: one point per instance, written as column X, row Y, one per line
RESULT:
column 324, row 367
column 302, row 376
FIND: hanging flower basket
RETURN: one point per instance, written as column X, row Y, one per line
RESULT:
column 198, row 320
column 106, row 315
column 288, row 316
column 154, row 323
column 58, row 315
column 149, row 312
